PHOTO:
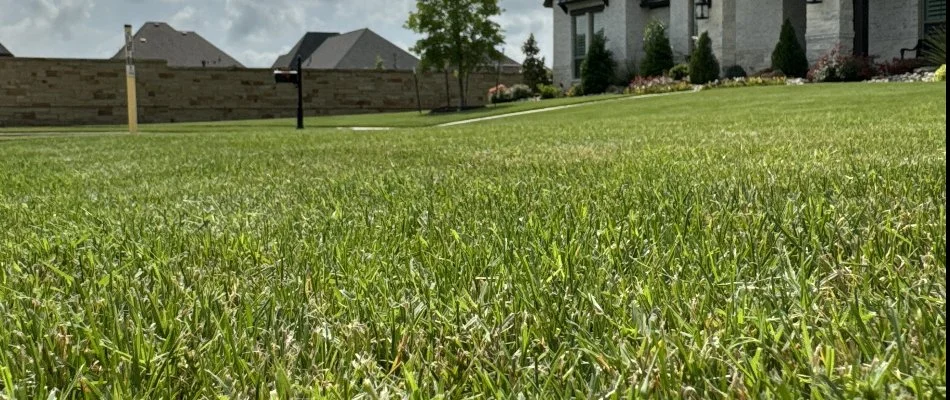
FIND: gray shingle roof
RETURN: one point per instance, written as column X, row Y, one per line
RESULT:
column 507, row 62
column 179, row 49
column 358, row 50
column 4, row 52
column 304, row 48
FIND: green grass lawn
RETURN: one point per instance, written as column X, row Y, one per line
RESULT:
column 742, row 243
column 412, row 119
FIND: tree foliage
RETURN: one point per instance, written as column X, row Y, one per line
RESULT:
column 532, row 70
column 703, row 66
column 789, row 56
column 597, row 71
column 658, row 55
column 458, row 34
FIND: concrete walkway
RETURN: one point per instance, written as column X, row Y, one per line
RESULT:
column 520, row 113
column 555, row 108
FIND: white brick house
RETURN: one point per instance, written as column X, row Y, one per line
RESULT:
column 743, row 32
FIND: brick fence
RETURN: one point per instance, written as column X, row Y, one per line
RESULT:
column 49, row 92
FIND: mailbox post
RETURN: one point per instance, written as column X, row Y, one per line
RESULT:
column 294, row 76
column 130, row 83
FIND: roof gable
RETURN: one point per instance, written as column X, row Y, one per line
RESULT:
column 4, row 52
column 359, row 50
column 307, row 44
column 159, row 41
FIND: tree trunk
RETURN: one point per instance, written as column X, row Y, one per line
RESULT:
column 468, row 77
column 448, row 96
column 461, row 91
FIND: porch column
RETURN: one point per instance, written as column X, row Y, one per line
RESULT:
column 829, row 23
column 682, row 28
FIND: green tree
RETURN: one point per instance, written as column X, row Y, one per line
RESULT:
column 457, row 34
column 379, row 63
column 703, row 66
column 658, row 55
column 597, row 71
column 532, row 70
column 789, row 56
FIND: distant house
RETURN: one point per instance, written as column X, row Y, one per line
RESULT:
column 506, row 64
column 359, row 49
column 159, row 41
column 4, row 52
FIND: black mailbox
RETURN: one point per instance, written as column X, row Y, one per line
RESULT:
column 284, row 76
column 295, row 77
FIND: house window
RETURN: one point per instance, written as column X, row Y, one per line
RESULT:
column 585, row 23
column 935, row 15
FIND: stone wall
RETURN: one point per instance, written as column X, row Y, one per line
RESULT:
column 47, row 92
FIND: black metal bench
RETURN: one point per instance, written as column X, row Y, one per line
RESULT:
column 916, row 49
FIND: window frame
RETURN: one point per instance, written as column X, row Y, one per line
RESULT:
column 589, row 14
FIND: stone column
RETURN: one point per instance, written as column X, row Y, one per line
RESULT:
column 681, row 29
column 829, row 23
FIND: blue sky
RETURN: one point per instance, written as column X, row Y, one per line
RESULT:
column 253, row 31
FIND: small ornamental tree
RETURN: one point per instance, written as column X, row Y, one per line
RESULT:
column 658, row 58
column 456, row 34
column 533, row 71
column 597, row 71
column 789, row 56
column 703, row 66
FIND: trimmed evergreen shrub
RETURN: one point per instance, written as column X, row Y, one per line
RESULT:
column 703, row 66
column 575, row 91
column 549, row 91
column 734, row 71
column 679, row 72
column 789, row 56
column 597, row 71
column 941, row 74
column 658, row 57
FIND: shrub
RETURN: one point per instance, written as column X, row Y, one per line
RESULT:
column 935, row 51
column 597, row 71
column 499, row 94
column 615, row 89
column 520, row 92
column 679, row 72
column 789, row 56
column 899, row 67
column 941, row 74
column 836, row 67
column 575, row 91
column 743, row 82
column 826, row 68
column 734, row 71
column 857, row 68
column 626, row 73
column 658, row 57
column 656, row 84
column 769, row 73
column 703, row 66
column 549, row 91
